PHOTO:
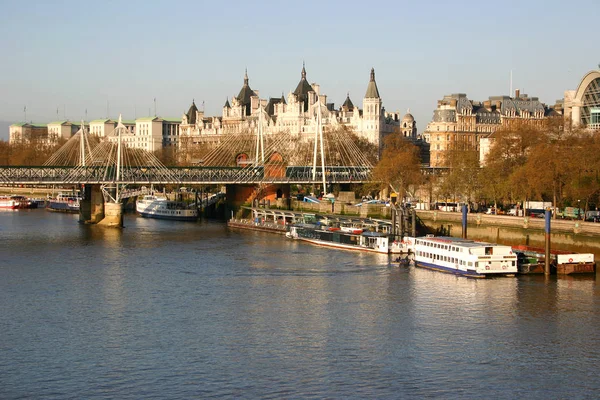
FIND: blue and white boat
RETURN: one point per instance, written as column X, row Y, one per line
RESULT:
column 463, row 256
column 151, row 206
column 65, row 202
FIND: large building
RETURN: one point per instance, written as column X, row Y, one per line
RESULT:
column 582, row 105
column 460, row 124
column 295, row 114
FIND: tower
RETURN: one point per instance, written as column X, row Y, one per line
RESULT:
column 372, row 111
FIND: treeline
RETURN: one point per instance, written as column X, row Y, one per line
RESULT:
column 33, row 153
column 549, row 162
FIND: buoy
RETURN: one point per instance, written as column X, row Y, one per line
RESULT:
column 570, row 260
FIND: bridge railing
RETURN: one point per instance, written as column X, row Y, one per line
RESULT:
column 177, row 175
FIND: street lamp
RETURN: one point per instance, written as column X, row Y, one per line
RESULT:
column 578, row 209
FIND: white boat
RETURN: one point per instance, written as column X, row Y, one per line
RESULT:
column 463, row 257
column 151, row 206
column 334, row 237
column 8, row 202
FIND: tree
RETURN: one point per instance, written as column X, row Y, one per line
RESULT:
column 400, row 165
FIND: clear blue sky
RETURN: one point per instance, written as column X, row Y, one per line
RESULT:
column 78, row 55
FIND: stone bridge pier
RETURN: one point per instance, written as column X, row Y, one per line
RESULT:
column 93, row 209
column 237, row 195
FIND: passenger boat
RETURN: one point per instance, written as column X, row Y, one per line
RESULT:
column 65, row 202
column 24, row 202
column 151, row 206
column 463, row 257
column 375, row 242
column 532, row 260
column 7, row 202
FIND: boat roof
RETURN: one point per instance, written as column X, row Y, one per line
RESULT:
column 458, row 241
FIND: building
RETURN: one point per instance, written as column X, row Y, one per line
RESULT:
column 460, row 124
column 61, row 130
column 24, row 132
column 147, row 133
column 294, row 114
column 582, row 106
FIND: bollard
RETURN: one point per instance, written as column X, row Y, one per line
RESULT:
column 464, row 221
column 547, row 235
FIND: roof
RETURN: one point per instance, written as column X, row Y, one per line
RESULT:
column 227, row 105
column 303, row 86
column 58, row 122
column 142, row 119
column 171, row 119
column 102, row 121
column 348, row 103
column 191, row 114
column 372, row 91
column 246, row 92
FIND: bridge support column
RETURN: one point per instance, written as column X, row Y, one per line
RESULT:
column 113, row 215
column 91, row 209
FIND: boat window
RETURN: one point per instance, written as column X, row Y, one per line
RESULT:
column 489, row 250
column 470, row 263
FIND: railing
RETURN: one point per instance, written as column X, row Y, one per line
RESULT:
column 177, row 175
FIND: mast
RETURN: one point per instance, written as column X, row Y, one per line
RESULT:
column 82, row 146
column 119, row 126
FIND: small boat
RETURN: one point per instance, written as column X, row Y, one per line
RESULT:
column 463, row 257
column 24, row 202
column 65, row 202
column 532, row 260
column 6, row 202
column 375, row 242
column 151, row 206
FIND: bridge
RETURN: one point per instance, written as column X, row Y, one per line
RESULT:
column 190, row 175
column 248, row 164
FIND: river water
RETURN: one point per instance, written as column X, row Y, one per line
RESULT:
column 170, row 310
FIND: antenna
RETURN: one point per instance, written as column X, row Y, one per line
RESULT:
column 64, row 111
column 155, row 106
column 510, row 90
column 25, row 112
column 107, row 110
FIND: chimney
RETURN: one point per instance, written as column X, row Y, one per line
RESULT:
column 517, row 93
column 498, row 104
column 488, row 105
column 453, row 103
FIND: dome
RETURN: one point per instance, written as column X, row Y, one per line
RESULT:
column 408, row 117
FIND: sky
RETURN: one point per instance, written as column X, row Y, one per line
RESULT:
column 92, row 59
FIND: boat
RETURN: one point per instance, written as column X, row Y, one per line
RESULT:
column 24, row 202
column 151, row 206
column 6, row 202
column 375, row 242
column 532, row 260
column 463, row 257
column 65, row 202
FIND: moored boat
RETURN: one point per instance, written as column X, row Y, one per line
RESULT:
column 64, row 202
column 532, row 260
column 463, row 257
column 6, row 202
column 24, row 202
column 375, row 242
column 151, row 206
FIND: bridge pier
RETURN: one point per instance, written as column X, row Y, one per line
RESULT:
column 238, row 195
column 93, row 209
column 113, row 215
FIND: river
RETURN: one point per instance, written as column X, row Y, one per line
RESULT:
column 171, row 310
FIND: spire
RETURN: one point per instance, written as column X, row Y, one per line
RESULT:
column 227, row 105
column 246, row 77
column 372, row 91
column 348, row 106
column 303, row 71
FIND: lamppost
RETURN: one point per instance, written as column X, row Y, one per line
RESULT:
column 578, row 209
